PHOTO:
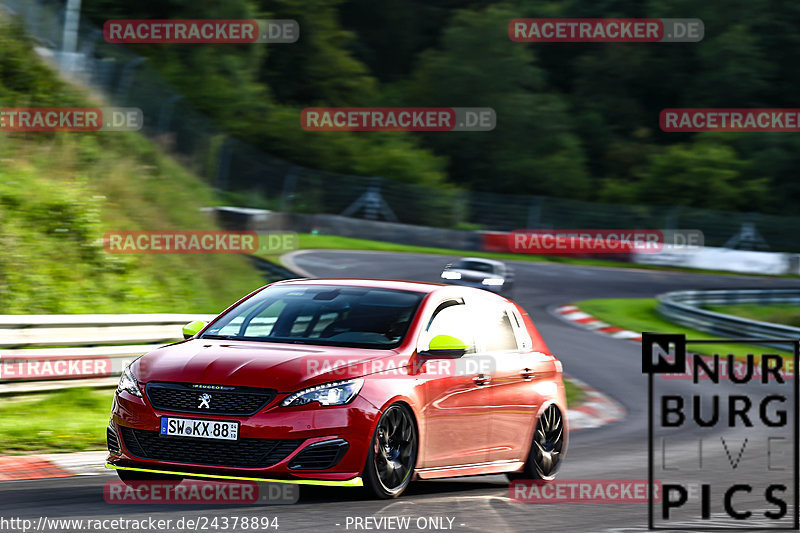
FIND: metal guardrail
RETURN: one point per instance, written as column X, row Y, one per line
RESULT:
column 42, row 352
column 50, row 352
column 17, row 331
column 685, row 308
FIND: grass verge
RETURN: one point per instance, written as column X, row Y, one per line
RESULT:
column 61, row 192
column 787, row 314
column 574, row 393
column 69, row 420
column 639, row 314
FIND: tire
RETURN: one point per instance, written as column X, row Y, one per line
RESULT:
column 547, row 447
column 132, row 477
column 392, row 453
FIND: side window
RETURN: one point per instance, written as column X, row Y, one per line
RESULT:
column 499, row 333
column 523, row 338
column 453, row 320
column 495, row 330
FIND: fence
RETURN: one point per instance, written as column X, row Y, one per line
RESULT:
column 686, row 308
column 126, row 79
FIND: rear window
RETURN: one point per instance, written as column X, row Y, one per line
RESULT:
column 474, row 265
column 334, row 315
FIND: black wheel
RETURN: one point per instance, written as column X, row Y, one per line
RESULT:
column 547, row 447
column 131, row 477
column 392, row 453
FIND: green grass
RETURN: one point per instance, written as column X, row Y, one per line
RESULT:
column 574, row 393
column 788, row 314
column 61, row 192
column 639, row 314
column 69, row 420
column 309, row 241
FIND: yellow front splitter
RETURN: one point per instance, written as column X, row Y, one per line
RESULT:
column 354, row 482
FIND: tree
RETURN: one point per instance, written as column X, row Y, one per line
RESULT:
column 532, row 149
column 705, row 174
column 319, row 68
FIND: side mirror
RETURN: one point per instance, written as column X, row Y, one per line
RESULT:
column 192, row 328
column 445, row 346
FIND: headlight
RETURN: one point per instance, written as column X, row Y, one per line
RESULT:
column 493, row 281
column 128, row 383
column 447, row 274
column 336, row 393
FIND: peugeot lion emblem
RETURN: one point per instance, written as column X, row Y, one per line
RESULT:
column 205, row 401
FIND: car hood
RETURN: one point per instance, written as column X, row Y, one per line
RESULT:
column 284, row 367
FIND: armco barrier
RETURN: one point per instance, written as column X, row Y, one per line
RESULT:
column 686, row 308
column 39, row 351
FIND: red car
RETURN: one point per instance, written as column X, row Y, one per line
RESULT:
column 346, row 382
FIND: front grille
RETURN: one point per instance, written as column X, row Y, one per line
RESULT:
column 224, row 400
column 112, row 441
column 244, row 453
column 320, row 455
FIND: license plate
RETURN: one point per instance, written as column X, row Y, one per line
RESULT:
column 201, row 429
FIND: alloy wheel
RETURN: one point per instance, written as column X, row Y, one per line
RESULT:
column 394, row 448
column 548, row 443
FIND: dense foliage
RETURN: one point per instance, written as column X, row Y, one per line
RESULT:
column 574, row 120
column 61, row 192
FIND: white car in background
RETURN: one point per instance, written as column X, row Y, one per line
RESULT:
column 481, row 273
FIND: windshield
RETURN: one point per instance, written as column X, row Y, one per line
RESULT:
column 360, row 317
column 474, row 265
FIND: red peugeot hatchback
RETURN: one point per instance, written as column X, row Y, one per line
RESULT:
column 346, row 382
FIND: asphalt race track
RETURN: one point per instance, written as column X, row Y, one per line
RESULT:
column 618, row 450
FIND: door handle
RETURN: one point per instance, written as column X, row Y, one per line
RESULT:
column 527, row 374
column 482, row 379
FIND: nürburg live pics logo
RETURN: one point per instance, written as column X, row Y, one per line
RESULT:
column 722, row 444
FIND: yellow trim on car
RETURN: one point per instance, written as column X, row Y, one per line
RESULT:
column 354, row 482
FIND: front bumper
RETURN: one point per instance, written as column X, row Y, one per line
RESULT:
column 354, row 482
column 305, row 425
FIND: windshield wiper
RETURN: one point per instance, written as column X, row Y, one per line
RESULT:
column 224, row 337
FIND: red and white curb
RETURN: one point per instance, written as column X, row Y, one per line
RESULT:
column 596, row 410
column 573, row 314
column 53, row 465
